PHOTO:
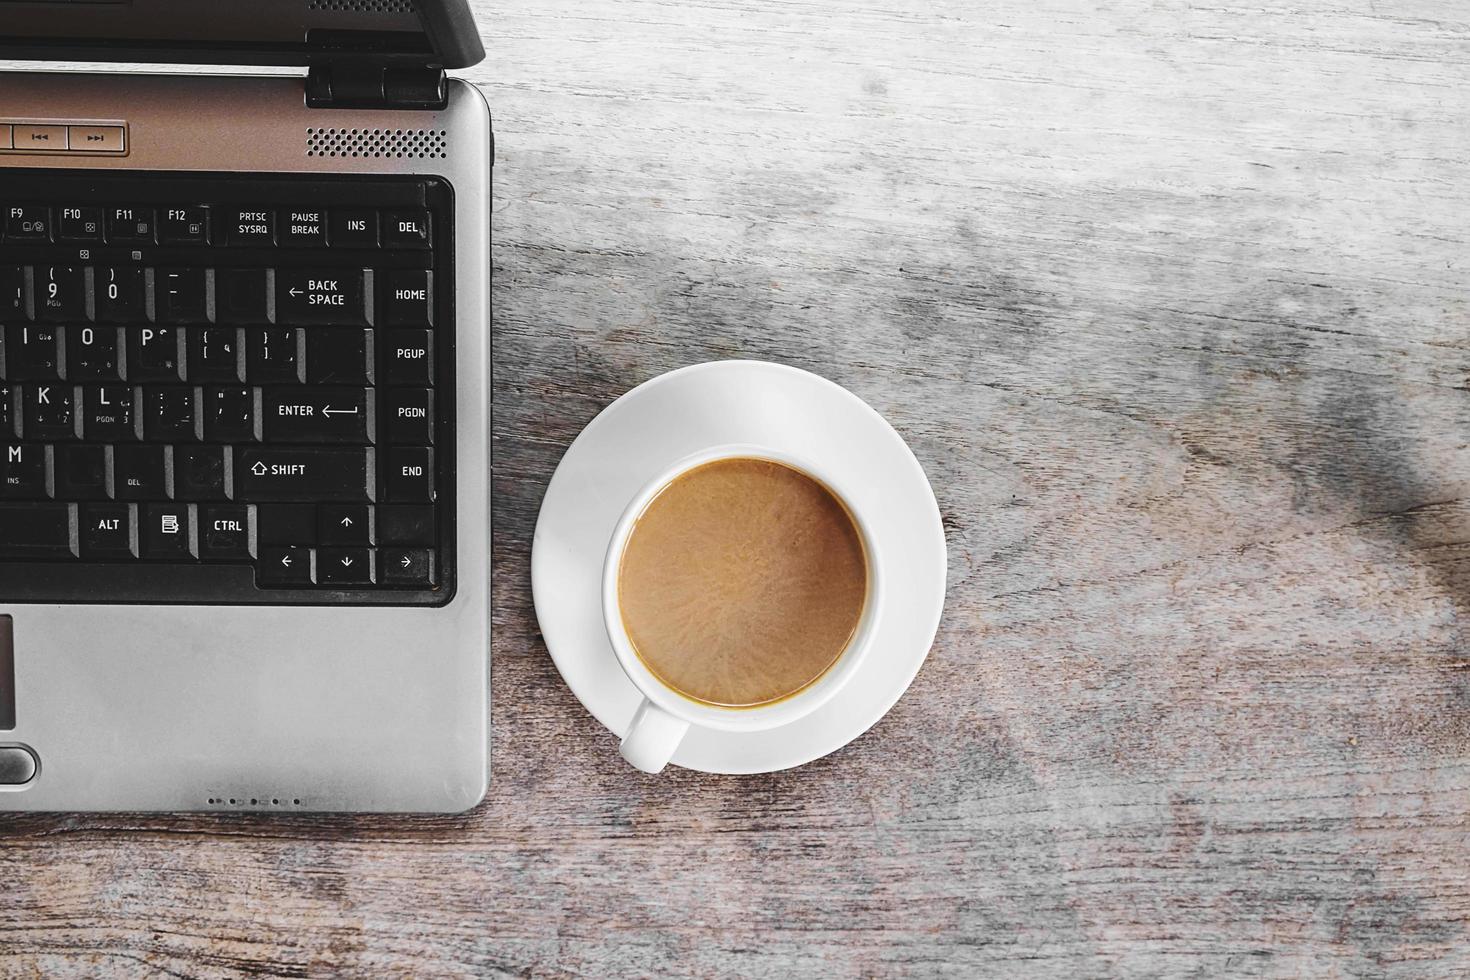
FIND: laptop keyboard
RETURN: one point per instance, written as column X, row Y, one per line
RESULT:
column 232, row 390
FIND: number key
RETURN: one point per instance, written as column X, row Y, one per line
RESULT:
column 61, row 293
column 119, row 294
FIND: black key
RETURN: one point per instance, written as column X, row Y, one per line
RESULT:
column 28, row 224
column 107, row 532
column 184, row 226
column 411, row 415
column 168, row 531
column 283, row 524
column 120, row 295
column 345, row 525
column 339, row 356
column 272, row 356
column 406, row 229
column 320, row 297
column 154, row 354
column 229, row 415
column 7, row 422
column 201, row 473
column 214, row 354
column 32, row 353
column 410, row 299
column 14, row 294
column 107, row 414
column 304, row 228
column 23, row 472
column 331, row 475
column 412, row 525
column 354, row 228
column 168, row 415
column 61, row 293
column 344, row 566
column 407, row 567
column 94, row 353
column 284, row 567
column 240, row 296
column 50, row 412
column 141, row 473
column 36, row 531
column 318, row 415
column 410, row 358
column 78, row 224
column 250, row 226
column 411, row 476
column 224, row 533
column 130, row 226
column 82, row 473
column 181, row 295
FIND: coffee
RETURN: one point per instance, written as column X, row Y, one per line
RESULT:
column 742, row 582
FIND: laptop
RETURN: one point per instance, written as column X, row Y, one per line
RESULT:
column 244, row 408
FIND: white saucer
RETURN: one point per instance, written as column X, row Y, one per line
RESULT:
column 680, row 413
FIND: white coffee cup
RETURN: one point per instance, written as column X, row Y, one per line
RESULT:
column 665, row 715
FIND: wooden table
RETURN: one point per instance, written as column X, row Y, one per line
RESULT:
column 1172, row 302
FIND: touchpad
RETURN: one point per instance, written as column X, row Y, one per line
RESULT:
column 7, row 674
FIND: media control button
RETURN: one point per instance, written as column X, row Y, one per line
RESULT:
column 183, row 226
column 97, row 139
column 5, row 138
column 41, row 139
column 17, row 766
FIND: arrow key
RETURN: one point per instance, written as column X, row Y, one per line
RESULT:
column 345, row 525
column 407, row 567
column 284, row 567
column 345, row 566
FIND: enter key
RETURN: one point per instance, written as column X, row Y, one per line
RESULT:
column 333, row 416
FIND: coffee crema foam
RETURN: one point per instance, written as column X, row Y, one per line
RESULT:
column 742, row 582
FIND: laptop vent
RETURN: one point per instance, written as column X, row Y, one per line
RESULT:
column 415, row 143
column 364, row 6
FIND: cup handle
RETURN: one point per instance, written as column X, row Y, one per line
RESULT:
column 652, row 738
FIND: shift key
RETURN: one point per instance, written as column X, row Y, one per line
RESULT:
column 332, row 475
column 326, row 297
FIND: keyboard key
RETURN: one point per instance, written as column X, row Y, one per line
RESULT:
column 224, row 533
column 286, row 524
column 107, row 532
column 406, row 567
column 180, row 295
column 120, row 295
column 344, row 566
column 130, row 226
column 168, row 415
column 354, row 228
column 154, row 354
column 168, row 531
column 304, row 228
column 320, row 297
column 265, row 474
column 250, row 226
column 49, row 412
column 82, row 473
column 36, row 531
column 184, row 226
column 339, row 356
column 94, row 353
column 406, row 229
column 141, row 473
column 406, row 524
column 318, row 415
column 107, row 413
column 345, row 525
column 23, row 472
column 411, row 475
column 229, row 415
column 272, row 356
column 284, row 567
column 411, row 415
column 33, row 353
column 78, row 224
column 201, row 473
column 14, row 294
column 28, row 224
column 410, row 299
column 214, row 354
column 240, row 296
column 61, row 293
column 410, row 361
column 7, row 421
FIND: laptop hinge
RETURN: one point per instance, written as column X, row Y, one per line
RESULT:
column 370, row 83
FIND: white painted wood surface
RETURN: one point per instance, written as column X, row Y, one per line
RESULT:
column 1170, row 300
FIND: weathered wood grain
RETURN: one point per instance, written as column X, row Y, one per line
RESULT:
column 1173, row 303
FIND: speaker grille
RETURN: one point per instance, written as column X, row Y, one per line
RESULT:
column 418, row 143
column 364, row 6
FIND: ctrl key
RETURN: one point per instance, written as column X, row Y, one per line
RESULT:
column 284, row 568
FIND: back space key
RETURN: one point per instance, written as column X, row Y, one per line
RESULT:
column 37, row 531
